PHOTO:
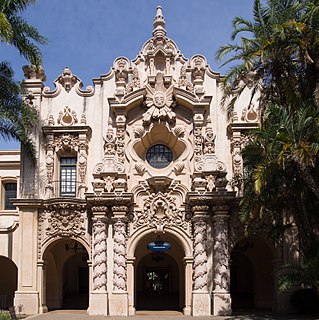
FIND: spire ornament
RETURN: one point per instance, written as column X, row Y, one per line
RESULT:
column 159, row 31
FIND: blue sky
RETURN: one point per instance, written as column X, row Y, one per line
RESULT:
column 88, row 35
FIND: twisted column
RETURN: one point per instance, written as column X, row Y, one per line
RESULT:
column 99, row 257
column 120, row 237
column 200, row 254
column 221, row 254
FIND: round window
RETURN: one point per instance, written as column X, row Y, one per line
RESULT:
column 159, row 156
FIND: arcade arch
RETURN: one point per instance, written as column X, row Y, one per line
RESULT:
column 252, row 283
column 67, row 275
column 8, row 282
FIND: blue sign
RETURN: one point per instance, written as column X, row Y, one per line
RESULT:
column 159, row 246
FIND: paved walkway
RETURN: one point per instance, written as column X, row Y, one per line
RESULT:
column 82, row 315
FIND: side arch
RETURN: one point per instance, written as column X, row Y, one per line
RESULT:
column 8, row 282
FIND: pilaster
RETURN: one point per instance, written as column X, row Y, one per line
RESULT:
column 29, row 287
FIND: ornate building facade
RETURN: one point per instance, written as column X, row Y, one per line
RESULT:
column 145, row 158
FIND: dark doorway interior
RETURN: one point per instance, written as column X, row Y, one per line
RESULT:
column 157, row 281
column 76, row 282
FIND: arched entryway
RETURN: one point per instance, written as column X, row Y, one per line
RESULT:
column 67, row 275
column 252, row 276
column 8, row 282
column 159, row 277
column 157, row 283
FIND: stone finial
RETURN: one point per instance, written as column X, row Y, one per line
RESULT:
column 159, row 24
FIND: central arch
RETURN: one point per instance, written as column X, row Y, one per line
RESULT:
column 159, row 281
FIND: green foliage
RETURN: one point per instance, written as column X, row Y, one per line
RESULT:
column 17, row 118
column 15, row 31
column 277, row 54
column 4, row 315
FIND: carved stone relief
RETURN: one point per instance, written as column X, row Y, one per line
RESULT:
column 67, row 117
column 159, row 101
column 135, row 83
column 65, row 220
column 160, row 211
column 121, row 66
column 221, row 253
column 67, row 79
column 183, row 81
column 198, row 64
column 209, row 138
column 200, row 254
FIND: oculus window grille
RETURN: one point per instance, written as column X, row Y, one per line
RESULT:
column 159, row 156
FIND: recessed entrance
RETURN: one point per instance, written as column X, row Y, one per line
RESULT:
column 67, row 276
column 159, row 277
column 157, row 283
column 251, row 276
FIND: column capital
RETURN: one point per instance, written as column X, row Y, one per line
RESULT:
column 221, row 210
column 120, row 209
column 99, row 208
column 99, row 219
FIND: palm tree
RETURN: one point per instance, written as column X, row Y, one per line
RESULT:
column 282, row 174
column 14, row 30
column 277, row 55
column 17, row 118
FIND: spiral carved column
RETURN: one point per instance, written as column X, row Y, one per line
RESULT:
column 200, row 255
column 99, row 254
column 222, row 301
column 201, row 298
column 98, row 296
column 119, row 279
column 119, row 299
